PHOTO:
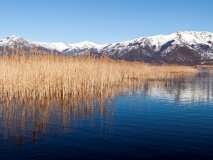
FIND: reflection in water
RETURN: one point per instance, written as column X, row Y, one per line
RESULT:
column 186, row 89
column 24, row 118
column 29, row 117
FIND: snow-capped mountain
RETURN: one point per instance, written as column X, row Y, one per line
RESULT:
column 59, row 46
column 83, row 47
column 15, row 41
column 184, row 47
column 181, row 47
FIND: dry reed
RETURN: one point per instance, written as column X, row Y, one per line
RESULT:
column 44, row 84
column 49, row 76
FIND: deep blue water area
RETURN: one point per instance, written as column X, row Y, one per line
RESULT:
column 162, row 120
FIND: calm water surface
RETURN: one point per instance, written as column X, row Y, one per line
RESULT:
column 161, row 120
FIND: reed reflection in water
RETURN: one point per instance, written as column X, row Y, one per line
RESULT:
column 170, row 118
column 24, row 118
column 186, row 90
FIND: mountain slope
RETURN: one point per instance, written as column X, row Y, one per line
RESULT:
column 184, row 47
column 15, row 41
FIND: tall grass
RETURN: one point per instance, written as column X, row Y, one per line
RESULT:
column 37, row 86
column 49, row 76
column 42, row 76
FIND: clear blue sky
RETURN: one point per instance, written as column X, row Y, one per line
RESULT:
column 102, row 21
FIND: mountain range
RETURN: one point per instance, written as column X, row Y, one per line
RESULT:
column 184, row 47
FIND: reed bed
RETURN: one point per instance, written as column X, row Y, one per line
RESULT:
column 38, row 86
column 38, row 77
column 50, row 72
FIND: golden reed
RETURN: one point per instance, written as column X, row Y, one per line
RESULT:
column 37, row 86
column 51, row 75
column 36, row 77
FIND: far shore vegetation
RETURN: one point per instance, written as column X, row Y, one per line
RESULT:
column 203, row 66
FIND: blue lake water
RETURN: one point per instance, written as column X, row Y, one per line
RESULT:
column 161, row 120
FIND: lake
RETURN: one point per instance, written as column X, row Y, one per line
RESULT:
column 171, row 119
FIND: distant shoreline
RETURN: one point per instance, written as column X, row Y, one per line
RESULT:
column 203, row 66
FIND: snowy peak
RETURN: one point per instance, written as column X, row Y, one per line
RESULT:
column 13, row 37
column 84, row 44
column 84, row 47
column 192, row 37
column 13, row 41
column 58, row 46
